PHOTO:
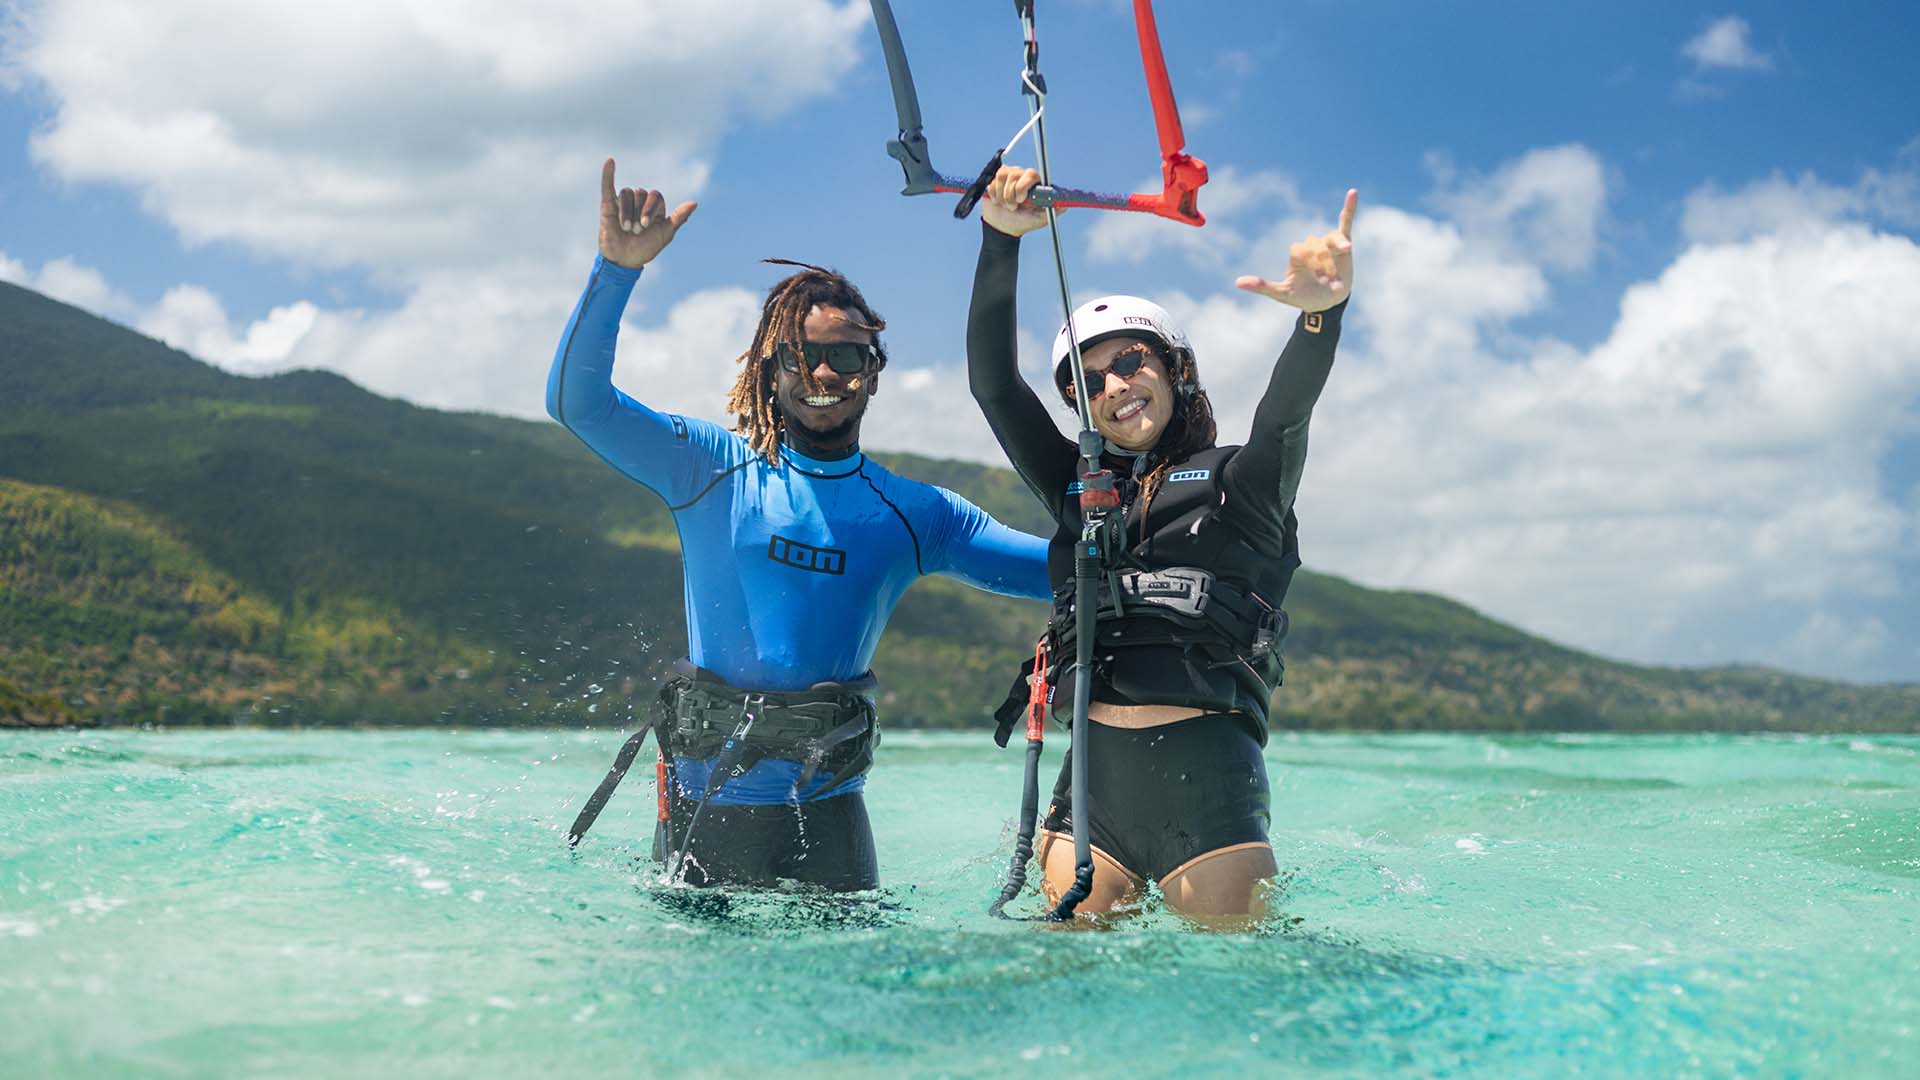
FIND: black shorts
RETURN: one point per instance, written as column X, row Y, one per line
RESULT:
column 828, row 843
column 1162, row 796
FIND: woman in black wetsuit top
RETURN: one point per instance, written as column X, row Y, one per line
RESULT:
column 1187, row 655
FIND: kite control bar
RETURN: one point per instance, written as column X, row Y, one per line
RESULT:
column 1181, row 174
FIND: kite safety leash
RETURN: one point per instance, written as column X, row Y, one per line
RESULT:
column 1038, row 698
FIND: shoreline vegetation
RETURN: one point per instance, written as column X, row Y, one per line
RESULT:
column 182, row 547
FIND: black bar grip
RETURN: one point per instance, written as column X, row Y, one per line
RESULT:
column 978, row 187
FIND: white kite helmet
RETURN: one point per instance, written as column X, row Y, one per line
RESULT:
column 1112, row 315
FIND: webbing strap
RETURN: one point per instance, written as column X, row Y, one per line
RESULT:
column 598, row 800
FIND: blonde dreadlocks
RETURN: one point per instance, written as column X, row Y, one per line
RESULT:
column 783, row 321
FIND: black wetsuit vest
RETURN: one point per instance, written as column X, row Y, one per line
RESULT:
column 1191, row 613
column 1192, row 639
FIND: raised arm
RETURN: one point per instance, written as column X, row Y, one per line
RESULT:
column 580, row 392
column 1318, row 281
column 1042, row 457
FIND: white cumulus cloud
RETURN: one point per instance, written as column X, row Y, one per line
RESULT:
column 407, row 136
column 1774, row 203
column 1726, row 43
column 72, row 283
column 1545, row 206
column 192, row 319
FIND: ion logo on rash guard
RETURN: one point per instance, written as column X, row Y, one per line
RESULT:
column 1189, row 474
column 806, row 557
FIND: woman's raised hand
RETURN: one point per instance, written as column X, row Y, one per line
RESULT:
column 634, row 222
column 1319, row 269
column 1005, row 206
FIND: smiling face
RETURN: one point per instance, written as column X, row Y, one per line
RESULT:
column 1131, row 413
column 829, row 411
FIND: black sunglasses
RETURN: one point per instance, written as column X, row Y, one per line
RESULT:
column 1126, row 364
column 845, row 357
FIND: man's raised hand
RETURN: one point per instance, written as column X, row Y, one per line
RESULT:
column 634, row 223
column 1319, row 269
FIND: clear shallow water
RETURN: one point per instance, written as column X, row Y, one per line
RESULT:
column 382, row 904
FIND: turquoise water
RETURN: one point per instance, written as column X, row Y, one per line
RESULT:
column 400, row 904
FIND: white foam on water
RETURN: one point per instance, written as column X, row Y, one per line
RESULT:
column 93, row 905
column 1867, row 746
column 11, row 926
column 1410, row 885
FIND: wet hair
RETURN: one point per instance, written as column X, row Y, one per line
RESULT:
column 1190, row 428
column 783, row 321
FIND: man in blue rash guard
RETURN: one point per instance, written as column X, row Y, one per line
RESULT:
column 796, row 546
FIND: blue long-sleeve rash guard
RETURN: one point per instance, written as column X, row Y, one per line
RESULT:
column 792, row 569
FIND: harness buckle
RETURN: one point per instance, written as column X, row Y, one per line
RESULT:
column 732, row 762
column 1272, row 631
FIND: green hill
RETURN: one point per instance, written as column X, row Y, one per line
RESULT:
column 182, row 545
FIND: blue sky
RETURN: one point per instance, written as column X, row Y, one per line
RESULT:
column 1631, row 359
